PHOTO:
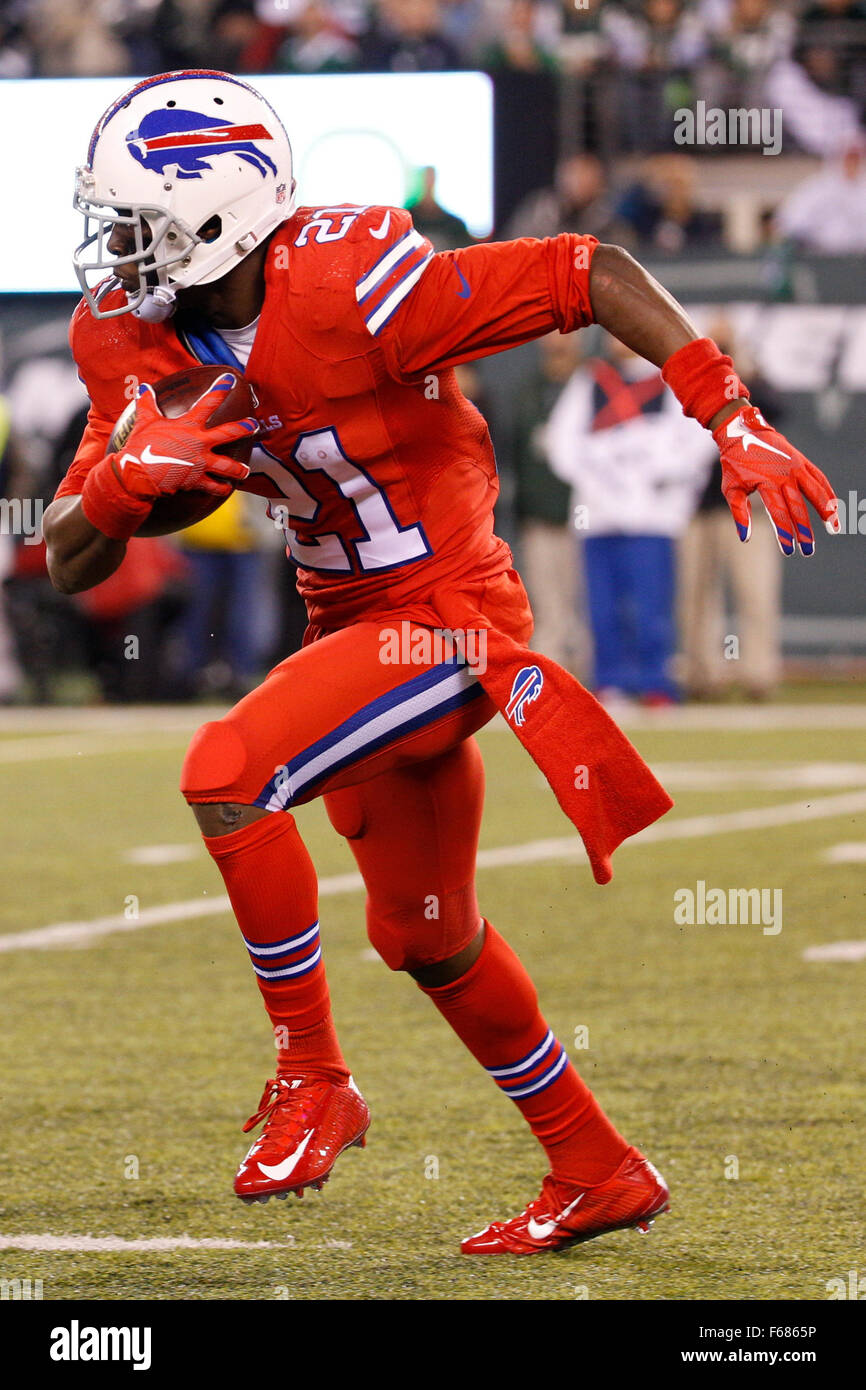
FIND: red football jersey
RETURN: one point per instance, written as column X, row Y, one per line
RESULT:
column 380, row 469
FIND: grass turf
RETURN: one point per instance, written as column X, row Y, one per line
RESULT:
column 706, row 1044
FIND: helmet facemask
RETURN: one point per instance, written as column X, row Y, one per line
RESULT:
column 162, row 240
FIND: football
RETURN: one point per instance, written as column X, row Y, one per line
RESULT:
column 175, row 395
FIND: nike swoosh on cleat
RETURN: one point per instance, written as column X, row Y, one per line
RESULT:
column 148, row 456
column 288, row 1165
column 738, row 429
column 540, row 1230
column 382, row 231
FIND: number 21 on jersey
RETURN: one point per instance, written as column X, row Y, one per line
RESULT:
column 385, row 544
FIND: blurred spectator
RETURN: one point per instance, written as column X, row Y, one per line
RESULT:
column 832, row 45
column 16, row 54
column 660, row 208
column 581, row 43
column 77, row 40
column 181, row 31
column 637, row 465
column 444, row 229
column 656, row 36
column 818, row 120
column 407, row 36
column 222, row 624
column 467, row 24
column 543, row 511
column 827, row 212
column 713, row 559
column 12, row 488
column 317, row 44
column 519, row 44
column 578, row 202
column 241, row 41
column 655, row 46
column 753, row 35
column 131, row 616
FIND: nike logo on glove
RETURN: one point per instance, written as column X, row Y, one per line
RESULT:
column 540, row 1230
column 738, row 429
column 148, row 456
column 288, row 1165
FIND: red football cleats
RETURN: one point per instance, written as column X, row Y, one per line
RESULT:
column 561, row 1216
column 308, row 1124
column 164, row 456
column 756, row 457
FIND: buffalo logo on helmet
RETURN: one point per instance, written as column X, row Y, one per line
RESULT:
column 526, row 688
column 189, row 140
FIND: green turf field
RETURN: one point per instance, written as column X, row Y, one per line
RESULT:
column 733, row 1062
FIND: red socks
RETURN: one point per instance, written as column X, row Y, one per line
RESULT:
column 272, row 885
column 493, row 1009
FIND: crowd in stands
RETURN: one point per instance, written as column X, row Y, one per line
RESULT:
column 624, row 68
column 719, row 49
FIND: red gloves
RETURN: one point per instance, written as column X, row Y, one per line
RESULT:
column 163, row 456
column 756, row 458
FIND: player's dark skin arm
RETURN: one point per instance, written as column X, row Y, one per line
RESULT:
column 633, row 307
column 78, row 555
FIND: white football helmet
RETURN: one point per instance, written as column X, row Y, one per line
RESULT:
column 198, row 166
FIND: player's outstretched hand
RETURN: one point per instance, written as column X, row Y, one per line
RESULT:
column 756, row 458
column 164, row 456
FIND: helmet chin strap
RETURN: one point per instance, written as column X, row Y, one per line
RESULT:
column 158, row 304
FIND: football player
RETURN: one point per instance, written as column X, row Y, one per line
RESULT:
column 349, row 328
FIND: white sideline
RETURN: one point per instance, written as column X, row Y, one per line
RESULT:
column 100, row 1244
column 531, row 852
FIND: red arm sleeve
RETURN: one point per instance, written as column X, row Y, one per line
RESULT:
column 469, row 303
column 103, row 412
column 91, row 449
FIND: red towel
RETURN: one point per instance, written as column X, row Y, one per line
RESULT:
column 600, row 780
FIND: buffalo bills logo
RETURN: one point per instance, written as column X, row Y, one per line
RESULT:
column 526, row 688
column 189, row 139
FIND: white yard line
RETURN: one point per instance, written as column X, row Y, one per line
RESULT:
column 101, row 1244
column 759, row 776
column 105, row 718
column 162, row 854
column 531, row 852
column 837, row 950
column 851, row 852
column 53, row 747
column 36, row 725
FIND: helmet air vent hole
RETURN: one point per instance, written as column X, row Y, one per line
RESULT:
column 171, row 103
column 211, row 230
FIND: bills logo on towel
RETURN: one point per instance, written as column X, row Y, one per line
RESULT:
column 526, row 688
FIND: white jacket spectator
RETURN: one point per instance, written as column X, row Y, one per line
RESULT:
column 827, row 212
column 642, row 476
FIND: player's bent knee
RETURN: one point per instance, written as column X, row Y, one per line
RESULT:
column 425, row 933
column 214, row 764
column 222, row 817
